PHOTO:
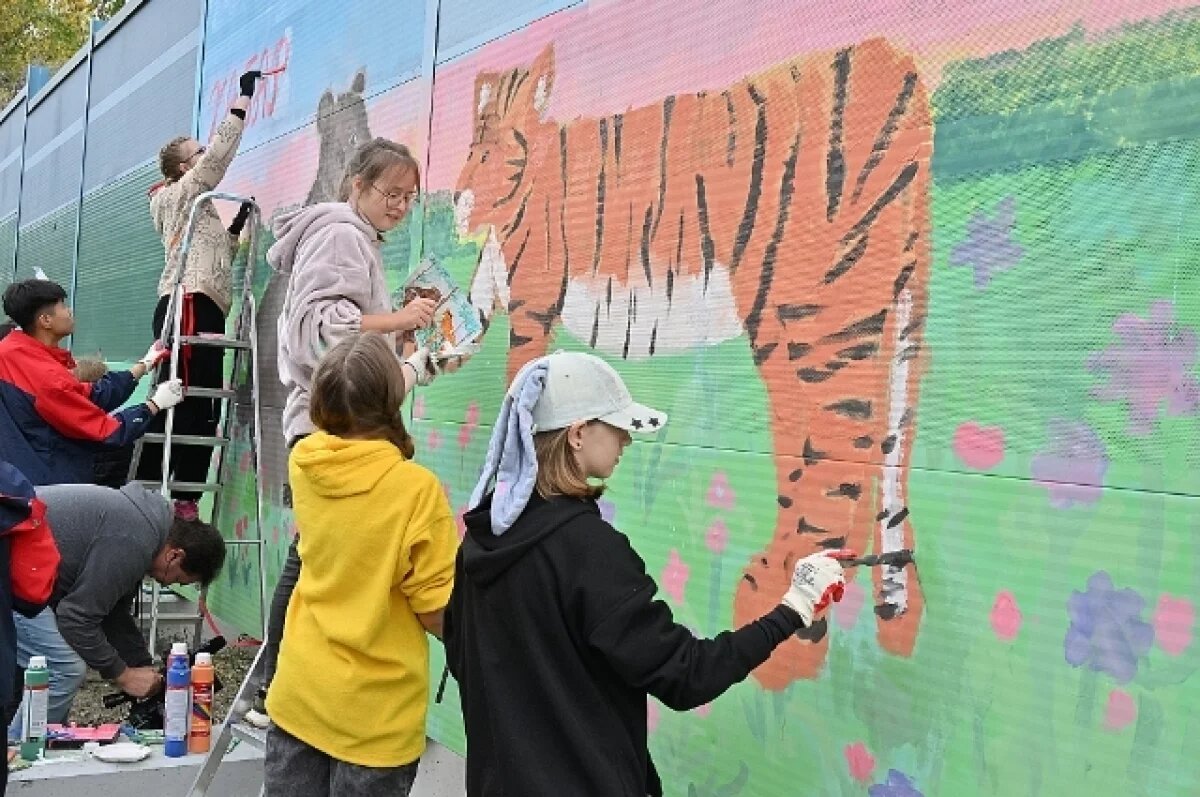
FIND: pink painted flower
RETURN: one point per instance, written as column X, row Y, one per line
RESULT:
column 860, row 761
column 652, row 715
column 717, row 536
column 419, row 407
column 240, row 527
column 703, row 711
column 720, row 494
column 675, row 576
column 464, row 436
column 1120, row 712
column 244, row 462
column 1174, row 619
column 845, row 613
column 979, row 447
column 434, row 442
column 473, row 414
column 1006, row 616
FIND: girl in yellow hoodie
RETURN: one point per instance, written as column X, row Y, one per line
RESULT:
column 378, row 544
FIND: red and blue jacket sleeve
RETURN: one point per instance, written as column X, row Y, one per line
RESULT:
column 67, row 407
column 112, row 390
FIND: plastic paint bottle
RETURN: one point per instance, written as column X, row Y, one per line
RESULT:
column 33, row 709
column 178, row 707
column 200, row 735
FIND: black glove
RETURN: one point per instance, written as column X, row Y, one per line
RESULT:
column 239, row 221
column 247, row 82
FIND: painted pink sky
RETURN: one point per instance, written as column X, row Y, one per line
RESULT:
column 685, row 47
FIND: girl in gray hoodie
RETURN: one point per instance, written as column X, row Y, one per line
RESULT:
column 331, row 253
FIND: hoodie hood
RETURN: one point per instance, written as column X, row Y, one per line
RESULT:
column 486, row 556
column 293, row 227
column 153, row 507
column 337, row 467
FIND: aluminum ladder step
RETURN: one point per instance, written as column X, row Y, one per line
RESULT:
column 219, row 341
column 209, row 392
column 186, row 487
column 186, row 439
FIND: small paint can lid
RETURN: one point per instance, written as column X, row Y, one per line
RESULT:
column 37, row 662
column 179, row 649
column 203, row 658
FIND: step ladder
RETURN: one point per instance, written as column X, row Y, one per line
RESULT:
column 244, row 344
column 235, row 730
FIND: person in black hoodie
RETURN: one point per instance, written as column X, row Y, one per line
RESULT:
column 553, row 631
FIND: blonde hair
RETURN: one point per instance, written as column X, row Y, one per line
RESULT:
column 558, row 470
column 170, row 158
column 357, row 391
column 89, row 370
column 374, row 158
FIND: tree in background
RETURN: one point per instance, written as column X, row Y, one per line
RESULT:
column 43, row 32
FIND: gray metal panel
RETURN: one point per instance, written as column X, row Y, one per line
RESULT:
column 466, row 24
column 10, row 164
column 52, row 181
column 151, row 30
column 56, row 112
column 132, row 130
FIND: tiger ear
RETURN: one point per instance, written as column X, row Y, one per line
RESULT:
column 485, row 86
column 541, row 73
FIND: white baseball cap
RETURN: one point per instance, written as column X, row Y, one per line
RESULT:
column 582, row 387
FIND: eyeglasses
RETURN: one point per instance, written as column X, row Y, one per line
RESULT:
column 394, row 199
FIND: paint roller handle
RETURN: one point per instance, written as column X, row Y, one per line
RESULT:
column 899, row 558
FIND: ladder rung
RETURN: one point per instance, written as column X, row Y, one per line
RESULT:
column 248, row 733
column 219, row 341
column 209, row 392
column 245, row 542
column 163, row 617
column 186, row 487
column 186, row 439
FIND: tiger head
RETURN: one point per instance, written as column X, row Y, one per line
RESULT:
column 508, row 116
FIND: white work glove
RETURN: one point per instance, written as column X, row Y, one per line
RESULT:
column 817, row 581
column 154, row 355
column 167, row 394
column 423, row 365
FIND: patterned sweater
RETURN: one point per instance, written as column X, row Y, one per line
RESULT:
column 209, row 268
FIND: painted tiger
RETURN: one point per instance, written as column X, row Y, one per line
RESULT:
column 791, row 208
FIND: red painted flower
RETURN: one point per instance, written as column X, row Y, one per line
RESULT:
column 717, row 536
column 675, row 576
column 720, row 494
column 1174, row 619
column 419, row 407
column 473, row 414
column 979, row 447
column 860, row 761
column 1006, row 616
column 434, row 441
column 1120, row 712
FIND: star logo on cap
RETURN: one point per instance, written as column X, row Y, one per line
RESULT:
column 654, row 422
column 637, row 423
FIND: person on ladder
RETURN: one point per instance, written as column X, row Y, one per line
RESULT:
column 189, row 169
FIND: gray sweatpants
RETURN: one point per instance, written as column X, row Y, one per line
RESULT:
column 293, row 769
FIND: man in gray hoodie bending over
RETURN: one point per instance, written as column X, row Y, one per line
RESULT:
column 109, row 541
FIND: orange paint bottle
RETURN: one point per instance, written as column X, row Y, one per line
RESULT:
column 200, row 733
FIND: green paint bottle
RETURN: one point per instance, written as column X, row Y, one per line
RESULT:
column 33, row 708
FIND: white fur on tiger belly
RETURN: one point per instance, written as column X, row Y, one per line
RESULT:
column 621, row 315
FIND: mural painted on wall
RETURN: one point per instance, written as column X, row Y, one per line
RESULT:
column 900, row 279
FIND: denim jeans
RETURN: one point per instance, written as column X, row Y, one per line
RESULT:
column 40, row 637
column 293, row 769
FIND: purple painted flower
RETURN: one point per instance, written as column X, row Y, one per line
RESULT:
column 989, row 246
column 1072, row 466
column 1107, row 632
column 897, row 785
column 1154, row 361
